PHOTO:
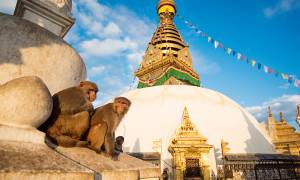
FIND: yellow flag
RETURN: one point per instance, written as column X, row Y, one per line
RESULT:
column 253, row 62
column 229, row 50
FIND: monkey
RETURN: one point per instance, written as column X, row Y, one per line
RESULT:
column 101, row 135
column 70, row 117
column 118, row 144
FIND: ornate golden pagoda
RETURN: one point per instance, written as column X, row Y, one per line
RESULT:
column 284, row 137
column 190, row 151
column 167, row 59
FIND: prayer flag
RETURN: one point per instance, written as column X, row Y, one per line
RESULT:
column 216, row 44
column 233, row 53
column 284, row 76
column 276, row 74
column 221, row 45
column 253, row 62
column 258, row 66
column 239, row 55
column 270, row 71
column 229, row 50
column 243, row 57
column 208, row 39
column 266, row 69
column 297, row 83
column 248, row 61
column 290, row 80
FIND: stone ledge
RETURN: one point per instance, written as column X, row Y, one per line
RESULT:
column 127, row 167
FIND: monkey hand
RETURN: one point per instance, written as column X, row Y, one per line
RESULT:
column 82, row 144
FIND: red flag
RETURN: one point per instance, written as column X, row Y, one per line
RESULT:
column 221, row 45
column 270, row 71
column 243, row 57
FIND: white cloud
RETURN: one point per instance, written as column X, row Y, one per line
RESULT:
column 102, row 33
column 281, row 7
column 7, row 6
column 286, row 104
column 97, row 70
column 107, row 47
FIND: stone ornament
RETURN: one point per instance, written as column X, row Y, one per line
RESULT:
column 65, row 5
column 25, row 102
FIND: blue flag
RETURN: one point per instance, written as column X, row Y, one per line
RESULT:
column 258, row 66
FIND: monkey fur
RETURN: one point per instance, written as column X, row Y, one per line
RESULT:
column 101, row 136
column 70, row 118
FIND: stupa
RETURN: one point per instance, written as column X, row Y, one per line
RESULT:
column 167, row 84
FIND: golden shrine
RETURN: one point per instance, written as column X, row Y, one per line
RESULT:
column 284, row 137
column 167, row 59
column 190, row 151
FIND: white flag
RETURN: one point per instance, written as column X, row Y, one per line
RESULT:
column 239, row 55
column 266, row 69
column 216, row 43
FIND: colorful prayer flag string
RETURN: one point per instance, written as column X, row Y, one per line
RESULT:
column 238, row 55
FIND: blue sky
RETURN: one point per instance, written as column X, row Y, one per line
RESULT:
column 112, row 35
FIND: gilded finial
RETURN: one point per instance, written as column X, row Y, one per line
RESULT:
column 270, row 111
column 281, row 117
column 185, row 116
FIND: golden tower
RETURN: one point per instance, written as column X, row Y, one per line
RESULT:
column 190, row 151
column 284, row 137
column 167, row 59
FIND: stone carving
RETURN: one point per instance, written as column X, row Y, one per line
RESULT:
column 65, row 5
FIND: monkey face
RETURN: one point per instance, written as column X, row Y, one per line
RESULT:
column 121, row 107
column 90, row 89
column 92, row 95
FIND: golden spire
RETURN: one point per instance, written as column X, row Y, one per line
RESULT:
column 186, row 127
column 186, row 122
column 167, row 60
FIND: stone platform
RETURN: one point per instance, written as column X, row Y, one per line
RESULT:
column 24, row 155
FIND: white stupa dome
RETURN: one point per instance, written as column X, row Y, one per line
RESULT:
column 156, row 113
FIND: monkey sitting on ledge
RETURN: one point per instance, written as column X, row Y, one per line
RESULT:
column 101, row 135
column 70, row 118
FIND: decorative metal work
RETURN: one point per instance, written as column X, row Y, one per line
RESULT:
column 192, row 168
column 261, row 166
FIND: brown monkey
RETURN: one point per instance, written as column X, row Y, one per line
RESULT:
column 104, row 122
column 70, row 118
